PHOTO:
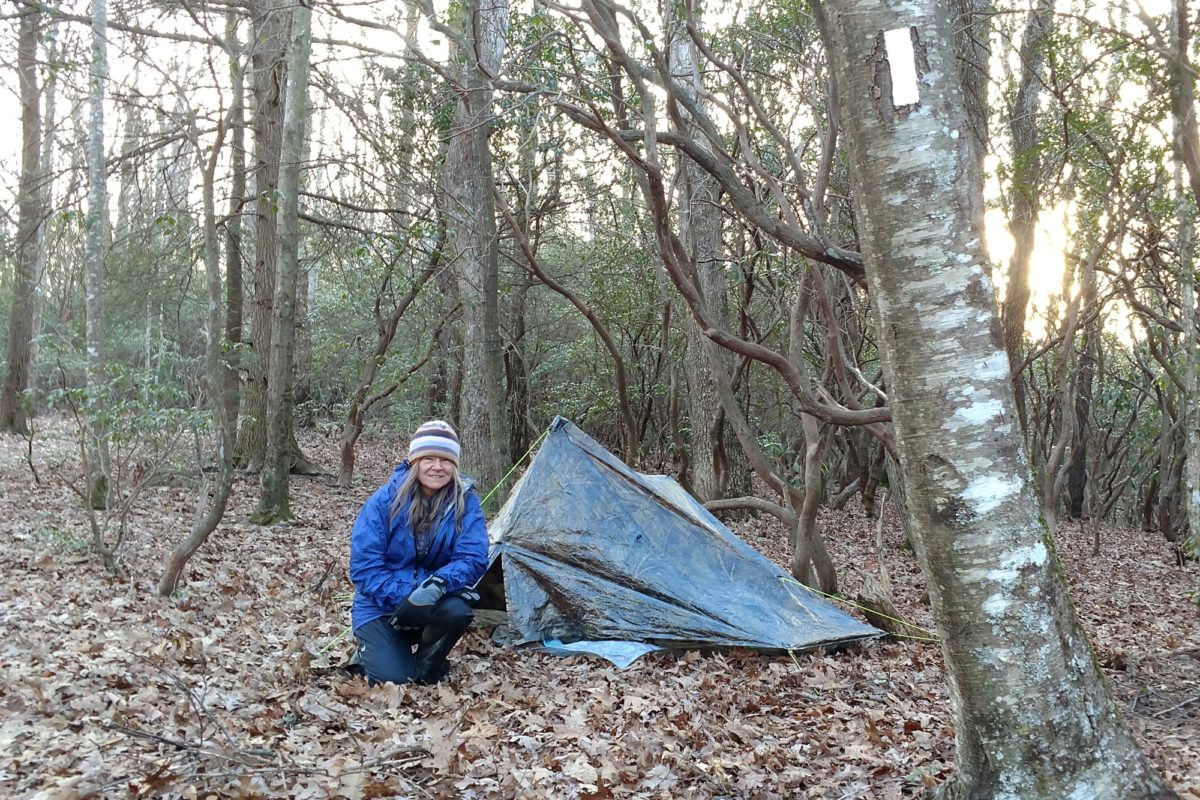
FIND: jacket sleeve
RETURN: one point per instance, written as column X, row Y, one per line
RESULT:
column 385, row 584
column 469, row 560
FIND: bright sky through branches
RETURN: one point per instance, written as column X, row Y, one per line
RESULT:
column 166, row 65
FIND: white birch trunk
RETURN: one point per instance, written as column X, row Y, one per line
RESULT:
column 1034, row 718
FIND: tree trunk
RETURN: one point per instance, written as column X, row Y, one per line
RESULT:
column 1026, row 192
column 1169, row 479
column 516, row 370
column 129, row 195
column 810, row 563
column 972, row 30
column 1054, row 470
column 210, row 509
column 50, row 89
column 700, row 229
column 1191, row 425
column 234, row 297
column 1078, row 490
column 473, row 246
column 439, row 397
column 30, row 212
column 1033, row 714
column 1187, row 154
column 1149, row 503
column 306, row 294
column 270, row 22
column 95, row 243
column 871, row 474
column 274, row 503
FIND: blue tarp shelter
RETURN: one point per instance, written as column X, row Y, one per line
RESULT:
column 587, row 549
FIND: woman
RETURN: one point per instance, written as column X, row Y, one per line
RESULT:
column 418, row 546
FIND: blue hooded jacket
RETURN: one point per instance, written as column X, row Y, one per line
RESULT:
column 383, row 553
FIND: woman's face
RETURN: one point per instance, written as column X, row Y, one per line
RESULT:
column 434, row 472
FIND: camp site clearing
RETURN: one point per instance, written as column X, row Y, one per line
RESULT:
column 230, row 688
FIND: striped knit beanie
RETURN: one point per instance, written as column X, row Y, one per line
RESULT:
column 434, row 438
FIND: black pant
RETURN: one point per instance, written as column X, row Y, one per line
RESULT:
column 388, row 656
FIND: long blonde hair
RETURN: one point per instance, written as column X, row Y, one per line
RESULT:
column 424, row 510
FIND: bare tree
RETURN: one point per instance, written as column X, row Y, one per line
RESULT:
column 269, row 24
column 96, row 242
column 796, row 225
column 531, row 262
column 234, row 250
column 274, row 502
column 361, row 400
column 472, row 242
column 30, row 214
column 699, row 213
column 1025, row 189
column 213, row 496
column 1187, row 156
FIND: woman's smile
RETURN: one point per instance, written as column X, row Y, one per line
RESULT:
column 434, row 472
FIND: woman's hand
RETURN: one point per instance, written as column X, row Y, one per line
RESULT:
column 417, row 608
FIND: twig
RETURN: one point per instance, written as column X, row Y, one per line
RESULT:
column 284, row 771
column 198, row 704
column 190, row 747
column 179, row 744
column 1165, row 711
column 396, row 762
column 29, row 451
column 324, row 577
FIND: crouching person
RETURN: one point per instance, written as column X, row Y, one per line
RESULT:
column 418, row 546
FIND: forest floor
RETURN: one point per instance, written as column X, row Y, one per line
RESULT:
column 227, row 689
